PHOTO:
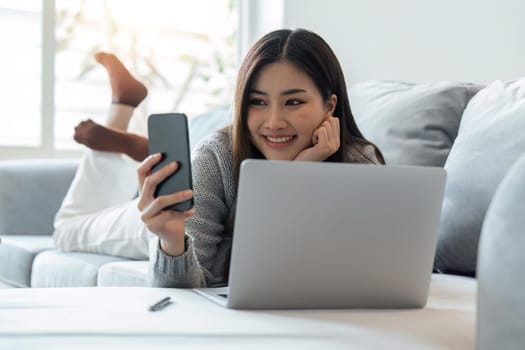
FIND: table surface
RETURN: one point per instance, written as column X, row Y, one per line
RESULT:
column 118, row 318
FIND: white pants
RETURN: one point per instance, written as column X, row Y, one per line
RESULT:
column 99, row 214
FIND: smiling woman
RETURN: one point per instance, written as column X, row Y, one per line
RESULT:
column 184, row 51
column 284, row 113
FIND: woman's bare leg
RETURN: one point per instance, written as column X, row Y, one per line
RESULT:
column 106, row 139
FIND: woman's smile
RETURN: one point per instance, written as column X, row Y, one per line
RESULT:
column 279, row 141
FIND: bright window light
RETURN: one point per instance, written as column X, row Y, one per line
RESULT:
column 184, row 51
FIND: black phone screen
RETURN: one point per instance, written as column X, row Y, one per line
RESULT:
column 168, row 134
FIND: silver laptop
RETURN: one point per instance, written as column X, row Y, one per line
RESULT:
column 332, row 235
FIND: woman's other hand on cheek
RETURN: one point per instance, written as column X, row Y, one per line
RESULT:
column 325, row 139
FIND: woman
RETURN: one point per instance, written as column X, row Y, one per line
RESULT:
column 291, row 103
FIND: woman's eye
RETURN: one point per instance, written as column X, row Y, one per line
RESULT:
column 293, row 102
column 257, row 102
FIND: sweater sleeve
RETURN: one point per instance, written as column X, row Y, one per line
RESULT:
column 205, row 230
column 174, row 271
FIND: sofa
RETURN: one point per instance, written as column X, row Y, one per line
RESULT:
column 473, row 131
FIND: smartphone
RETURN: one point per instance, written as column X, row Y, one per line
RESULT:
column 168, row 135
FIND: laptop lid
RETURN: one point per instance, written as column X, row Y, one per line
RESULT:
column 334, row 235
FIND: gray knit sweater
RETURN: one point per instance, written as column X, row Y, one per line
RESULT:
column 209, row 231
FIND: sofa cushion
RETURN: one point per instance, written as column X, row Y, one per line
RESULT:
column 489, row 141
column 501, row 261
column 31, row 192
column 204, row 124
column 55, row 268
column 412, row 124
column 124, row 274
column 16, row 257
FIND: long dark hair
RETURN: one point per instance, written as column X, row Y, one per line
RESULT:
column 311, row 54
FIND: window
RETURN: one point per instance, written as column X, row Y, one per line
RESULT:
column 184, row 51
column 20, row 70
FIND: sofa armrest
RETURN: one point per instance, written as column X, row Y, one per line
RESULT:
column 31, row 191
column 501, row 288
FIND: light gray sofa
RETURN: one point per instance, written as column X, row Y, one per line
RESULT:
column 470, row 130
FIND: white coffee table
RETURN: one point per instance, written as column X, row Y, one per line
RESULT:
column 117, row 318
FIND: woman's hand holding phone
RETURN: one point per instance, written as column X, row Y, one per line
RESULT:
column 167, row 224
column 325, row 139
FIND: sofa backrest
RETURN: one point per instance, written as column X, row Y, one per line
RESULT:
column 31, row 192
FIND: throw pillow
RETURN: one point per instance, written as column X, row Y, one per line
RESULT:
column 204, row 124
column 412, row 124
column 490, row 139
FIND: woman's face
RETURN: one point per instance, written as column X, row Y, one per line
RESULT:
column 284, row 109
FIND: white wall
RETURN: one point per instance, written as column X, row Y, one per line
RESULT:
column 257, row 18
column 416, row 40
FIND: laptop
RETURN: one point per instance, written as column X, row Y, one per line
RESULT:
column 332, row 235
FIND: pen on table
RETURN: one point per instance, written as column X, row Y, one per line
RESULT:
column 161, row 304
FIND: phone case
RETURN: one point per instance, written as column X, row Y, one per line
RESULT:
column 168, row 134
